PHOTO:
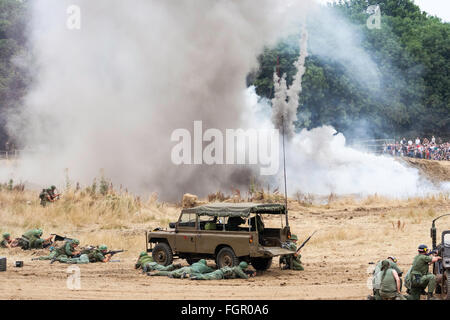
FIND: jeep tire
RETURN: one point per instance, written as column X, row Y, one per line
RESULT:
column 162, row 254
column 226, row 258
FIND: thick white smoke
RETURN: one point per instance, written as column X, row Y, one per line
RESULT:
column 285, row 101
column 319, row 162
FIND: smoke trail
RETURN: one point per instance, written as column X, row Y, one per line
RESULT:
column 285, row 101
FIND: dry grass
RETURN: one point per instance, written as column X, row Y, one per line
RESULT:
column 119, row 219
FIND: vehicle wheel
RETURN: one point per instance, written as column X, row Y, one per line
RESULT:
column 191, row 260
column 261, row 264
column 162, row 254
column 226, row 258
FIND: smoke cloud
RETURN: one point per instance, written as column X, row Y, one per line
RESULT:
column 108, row 96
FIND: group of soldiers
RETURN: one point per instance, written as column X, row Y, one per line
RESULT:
column 201, row 271
column 68, row 252
column 29, row 240
column 387, row 284
column 48, row 195
column 196, row 271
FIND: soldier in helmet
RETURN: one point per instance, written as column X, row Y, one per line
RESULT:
column 419, row 276
column 90, row 255
column 376, row 280
column 147, row 264
column 390, row 287
column 292, row 262
column 52, row 194
column 67, row 250
column 6, row 242
column 33, row 240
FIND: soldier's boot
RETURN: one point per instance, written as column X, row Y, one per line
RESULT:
column 370, row 297
column 145, row 269
column 185, row 275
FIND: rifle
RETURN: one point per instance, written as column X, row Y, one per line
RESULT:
column 60, row 238
column 305, row 242
column 113, row 252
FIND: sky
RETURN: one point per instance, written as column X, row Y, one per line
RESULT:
column 440, row 8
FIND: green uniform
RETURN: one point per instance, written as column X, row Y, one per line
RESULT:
column 63, row 252
column 33, row 238
column 143, row 260
column 235, row 272
column 376, row 280
column 388, row 286
column 4, row 243
column 222, row 273
column 197, row 267
column 292, row 262
column 43, row 196
column 152, row 266
column 215, row 275
column 420, row 278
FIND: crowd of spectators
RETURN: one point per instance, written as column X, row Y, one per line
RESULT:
column 433, row 149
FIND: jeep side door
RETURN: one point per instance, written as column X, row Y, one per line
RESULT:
column 186, row 233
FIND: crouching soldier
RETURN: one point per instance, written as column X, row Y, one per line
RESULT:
column 390, row 287
column 419, row 276
column 292, row 261
column 376, row 280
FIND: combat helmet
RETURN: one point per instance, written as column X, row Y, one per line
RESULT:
column 293, row 237
column 6, row 235
column 394, row 259
column 243, row 265
column 423, row 248
column 142, row 254
column 103, row 247
column 75, row 241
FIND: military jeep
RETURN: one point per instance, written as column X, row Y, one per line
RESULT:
column 226, row 232
column 442, row 267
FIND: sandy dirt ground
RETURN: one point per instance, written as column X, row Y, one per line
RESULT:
column 336, row 261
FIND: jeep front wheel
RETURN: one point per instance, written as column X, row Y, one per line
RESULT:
column 261, row 264
column 226, row 258
column 162, row 254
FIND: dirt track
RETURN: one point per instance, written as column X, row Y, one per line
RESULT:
column 336, row 262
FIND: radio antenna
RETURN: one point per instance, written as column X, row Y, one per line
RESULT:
column 284, row 169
